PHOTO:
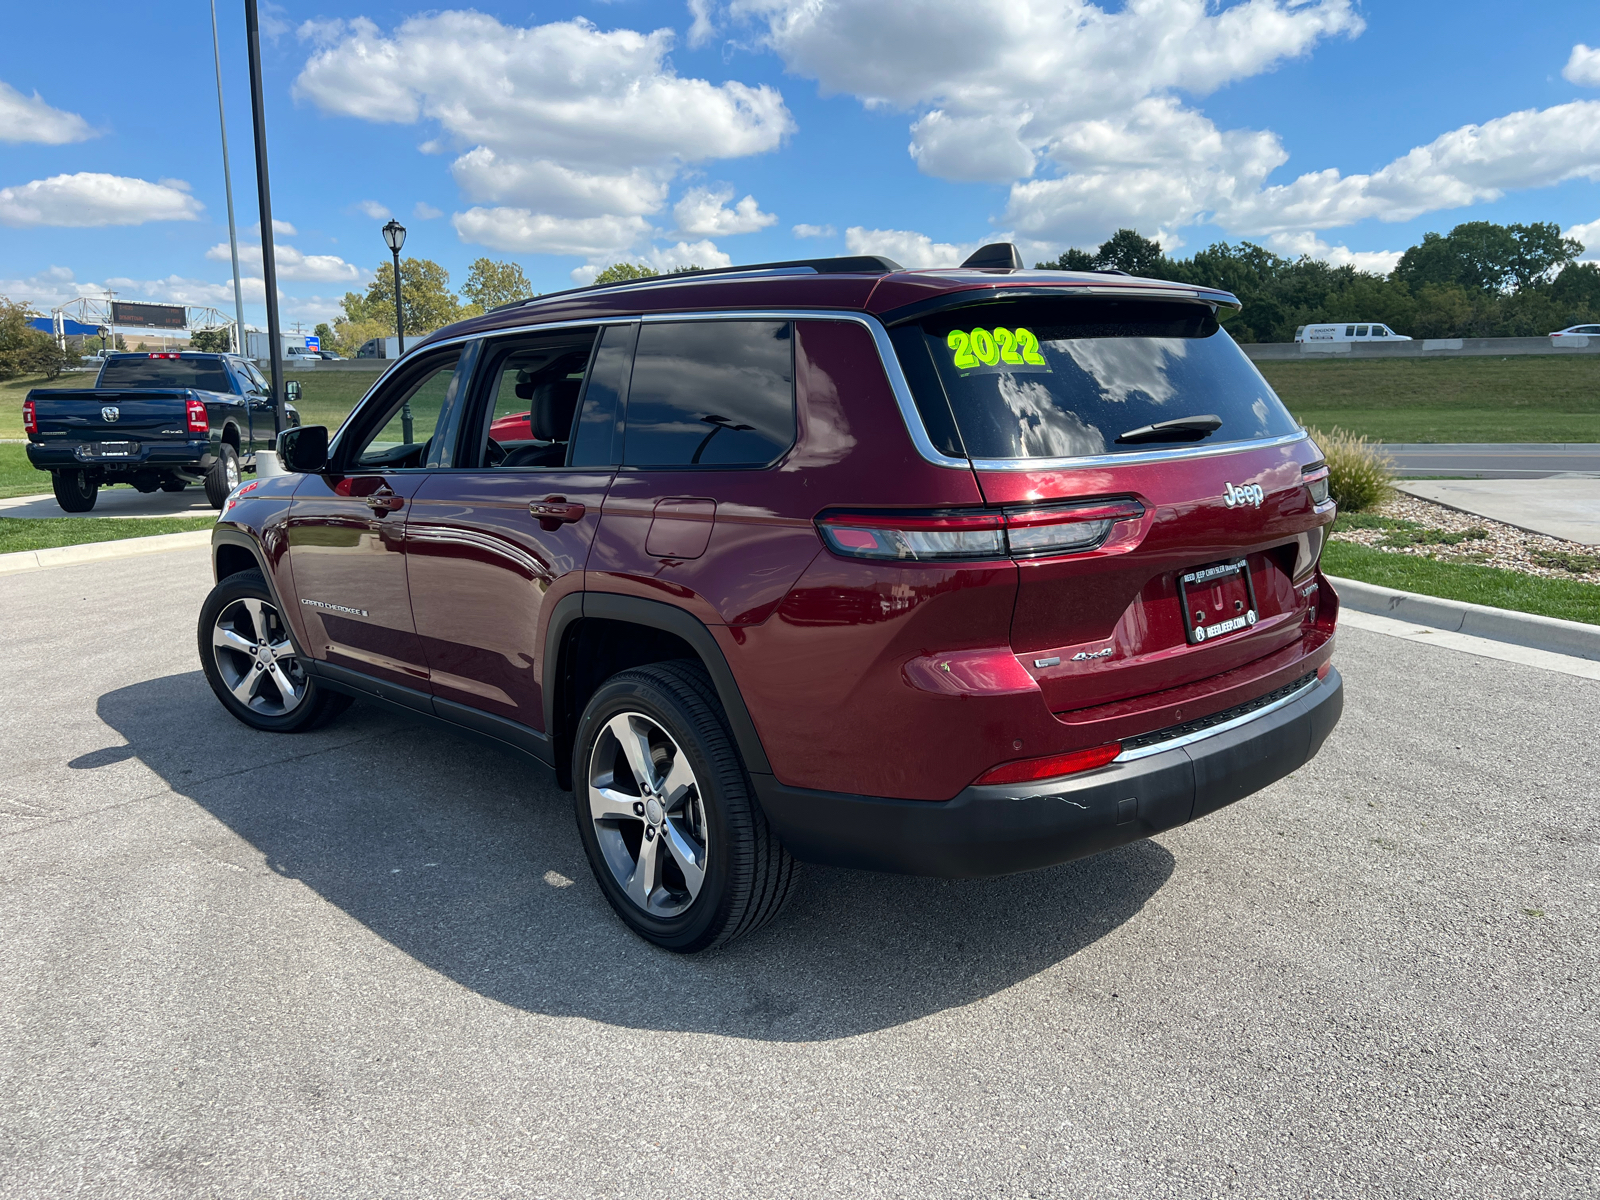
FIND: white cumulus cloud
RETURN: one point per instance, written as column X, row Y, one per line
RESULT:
column 704, row 212
column 292, row 263
column 90, row 199
column 663, row 259
column 576, row 131
column 372, row 210
column 813, row 231
column 906, row 247
column 1583, row 68
column 423, row 211
column 30, row 119
column 1293, row 245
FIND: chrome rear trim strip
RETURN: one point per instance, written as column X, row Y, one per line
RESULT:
column 1200, row 735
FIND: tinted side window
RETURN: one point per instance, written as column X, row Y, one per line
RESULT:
column 595, row 442
column 711, row 393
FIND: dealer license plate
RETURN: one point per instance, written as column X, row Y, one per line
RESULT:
column 114, row 449
column 1217, row 600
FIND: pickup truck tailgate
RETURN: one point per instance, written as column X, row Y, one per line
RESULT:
column 111, row 415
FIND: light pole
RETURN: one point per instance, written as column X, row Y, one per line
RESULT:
column 227, row 180
column 269, row 264
column 394, row 236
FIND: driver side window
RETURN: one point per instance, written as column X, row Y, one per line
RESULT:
column 401, row 436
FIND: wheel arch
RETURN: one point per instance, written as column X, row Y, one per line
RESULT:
column 230, row 435
column 593, row 635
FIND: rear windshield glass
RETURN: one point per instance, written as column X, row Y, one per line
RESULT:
column 1072, row 377
column 206, row 374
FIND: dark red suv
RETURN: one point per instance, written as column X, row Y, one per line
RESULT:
column 956, row 572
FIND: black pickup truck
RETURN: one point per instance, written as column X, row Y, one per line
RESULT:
column 154, row 421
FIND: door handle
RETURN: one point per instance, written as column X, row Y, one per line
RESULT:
column 384, row 501
column 555, row 511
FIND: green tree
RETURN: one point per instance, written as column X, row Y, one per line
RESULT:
column 324, row 333
column 491, row 283
column 349, row 336
column 1482, row 256
column 424, row 292
column 25, row 350
column 622, row 272
column 211, row 341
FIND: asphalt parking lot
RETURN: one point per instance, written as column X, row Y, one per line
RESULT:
column 371, row 962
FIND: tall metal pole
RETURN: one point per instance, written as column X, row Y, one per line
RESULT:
column 269, row 265
column 227, row 181
column 400, row 346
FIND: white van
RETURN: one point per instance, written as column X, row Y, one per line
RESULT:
column 1369, row 332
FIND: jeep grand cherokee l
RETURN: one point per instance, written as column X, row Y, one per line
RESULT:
column 954, row 572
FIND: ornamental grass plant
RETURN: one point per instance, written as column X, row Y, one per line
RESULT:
column 1359, row 472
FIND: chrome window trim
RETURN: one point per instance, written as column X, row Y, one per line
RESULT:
column 891, row 367
column 1201, row 735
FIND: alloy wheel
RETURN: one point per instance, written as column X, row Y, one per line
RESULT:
column 649, row 815
column 256, row 659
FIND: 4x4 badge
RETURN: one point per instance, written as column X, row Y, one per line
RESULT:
column 1251, row 494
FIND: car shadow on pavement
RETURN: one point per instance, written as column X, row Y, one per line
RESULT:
column 468, row 860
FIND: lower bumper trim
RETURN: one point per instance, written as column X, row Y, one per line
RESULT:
column 1001, row 830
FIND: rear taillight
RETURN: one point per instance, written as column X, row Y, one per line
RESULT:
column 1051, row 766
column 195, row 411
column 1315, row 477
column 939, row 536
column 30, row 420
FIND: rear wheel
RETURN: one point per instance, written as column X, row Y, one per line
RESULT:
column 74, row 490
column 223, row 476
column 667, row 815
column 251, row 664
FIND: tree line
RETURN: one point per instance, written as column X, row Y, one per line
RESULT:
column 1478, row 280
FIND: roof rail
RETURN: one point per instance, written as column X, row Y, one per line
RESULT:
column 856, row 264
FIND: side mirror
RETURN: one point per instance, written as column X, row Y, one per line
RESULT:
column 303, row 450
column 291, row 391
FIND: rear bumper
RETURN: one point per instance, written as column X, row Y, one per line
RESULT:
column 193, row 456
column 1001, row 830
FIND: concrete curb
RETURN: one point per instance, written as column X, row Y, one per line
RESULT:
column 66, row 556
column 1572, row 638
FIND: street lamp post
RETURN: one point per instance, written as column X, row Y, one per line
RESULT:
column 394, row 235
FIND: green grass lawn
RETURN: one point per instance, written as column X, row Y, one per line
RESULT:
column 1527, row 398
column 1568, row 599
column 327, row 396
column 18, row 476
column 17, row 533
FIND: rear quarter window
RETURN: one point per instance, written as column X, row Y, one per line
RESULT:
column 1067, row 378
column 710, row 394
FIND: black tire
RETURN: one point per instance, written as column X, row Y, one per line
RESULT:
column 229, row 606
column 748, row 875
column 223, row 476
column 74, row 491
column 174, row 485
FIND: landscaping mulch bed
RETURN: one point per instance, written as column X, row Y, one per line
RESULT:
column 1406, row 525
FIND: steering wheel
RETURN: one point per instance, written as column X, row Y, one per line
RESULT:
column 494, row 453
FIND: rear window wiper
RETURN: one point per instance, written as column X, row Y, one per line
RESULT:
column 1184, row 429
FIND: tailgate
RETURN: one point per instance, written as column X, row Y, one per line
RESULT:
column 1110, row 625
column 111, row 415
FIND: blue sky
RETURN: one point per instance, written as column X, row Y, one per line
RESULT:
column 571, row 135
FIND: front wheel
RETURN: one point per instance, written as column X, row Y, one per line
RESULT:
column 251, row 664
column 674, row 835
column 75, row 491
column 223, row 476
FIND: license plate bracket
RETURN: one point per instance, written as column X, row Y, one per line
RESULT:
column 1217, row 599
column 114, row 449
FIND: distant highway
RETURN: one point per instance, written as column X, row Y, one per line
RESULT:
column 1489, row 460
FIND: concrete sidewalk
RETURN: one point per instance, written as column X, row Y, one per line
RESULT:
column 116, row 502
column 1562, row 506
